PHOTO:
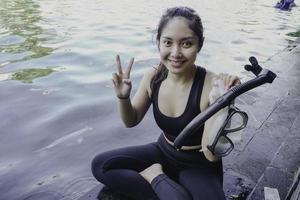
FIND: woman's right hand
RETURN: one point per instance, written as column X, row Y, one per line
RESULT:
column 121, row 80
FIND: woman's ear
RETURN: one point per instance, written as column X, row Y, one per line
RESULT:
column 201, row 44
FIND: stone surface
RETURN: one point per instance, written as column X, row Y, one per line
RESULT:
column 271, row 193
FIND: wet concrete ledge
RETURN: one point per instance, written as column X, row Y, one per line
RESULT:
column 269, row 153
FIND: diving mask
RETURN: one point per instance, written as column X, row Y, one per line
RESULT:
column 228, row 134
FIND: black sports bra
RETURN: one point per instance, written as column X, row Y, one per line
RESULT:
column 172, row 126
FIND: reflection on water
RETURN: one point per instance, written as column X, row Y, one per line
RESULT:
column 20, row 32
column 72, row 110
column 92, row 34
column 27, row 75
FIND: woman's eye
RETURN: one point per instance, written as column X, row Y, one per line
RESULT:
column 186, row 44
column 167, row 43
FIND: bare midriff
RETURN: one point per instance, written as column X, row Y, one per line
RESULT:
column 195, row 147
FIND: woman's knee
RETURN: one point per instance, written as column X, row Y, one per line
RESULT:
column 97, row 167
column 114, row 160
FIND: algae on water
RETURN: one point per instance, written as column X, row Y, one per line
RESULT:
column 27, row 75
column 294, row 34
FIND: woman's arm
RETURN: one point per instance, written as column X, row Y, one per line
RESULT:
column 204, row 103
column 214, row 86
column 132, row 112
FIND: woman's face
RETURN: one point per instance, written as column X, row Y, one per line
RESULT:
column 178, row 46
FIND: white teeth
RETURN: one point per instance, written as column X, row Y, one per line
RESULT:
column 176, row 63
column 173, row 61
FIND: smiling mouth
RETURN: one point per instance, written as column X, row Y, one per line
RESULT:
column 176, row 63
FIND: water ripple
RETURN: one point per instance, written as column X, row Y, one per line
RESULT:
column 66, row 138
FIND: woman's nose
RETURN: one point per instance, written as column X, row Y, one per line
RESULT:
column 176, row 52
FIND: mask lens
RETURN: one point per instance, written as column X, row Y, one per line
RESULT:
column 223, row 146
column 237, row 121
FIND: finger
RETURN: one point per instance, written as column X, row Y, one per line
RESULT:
column 119, row 66
column 226, row 80
column 237, row 81
column 114, row 83
column 116, row 79
column 234, row 81
column 128, row 70
column 231, row 80
column 127, row 81
column 223, row 80
column 214, row 82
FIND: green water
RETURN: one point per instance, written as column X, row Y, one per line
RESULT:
column 27, row 75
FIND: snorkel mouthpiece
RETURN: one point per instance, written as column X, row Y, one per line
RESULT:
column 255, row 68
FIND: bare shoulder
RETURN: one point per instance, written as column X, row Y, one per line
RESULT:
column 209, row 78
column 148, row 76
column 208, row 83
column 149, row 73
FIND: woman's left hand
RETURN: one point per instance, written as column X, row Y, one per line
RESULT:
column 229, row 80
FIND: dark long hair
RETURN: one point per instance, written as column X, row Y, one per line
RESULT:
column 195, row 24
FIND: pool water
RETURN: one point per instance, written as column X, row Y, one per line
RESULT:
column 53, row 124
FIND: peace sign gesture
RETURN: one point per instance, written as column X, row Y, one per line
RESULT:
column 121, row 80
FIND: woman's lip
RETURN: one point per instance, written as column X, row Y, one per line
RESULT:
column 176, row 60
column 176, row 63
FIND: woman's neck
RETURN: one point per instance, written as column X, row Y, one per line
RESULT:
column 183, row 78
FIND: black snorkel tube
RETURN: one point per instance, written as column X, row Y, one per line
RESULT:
column 262, row 76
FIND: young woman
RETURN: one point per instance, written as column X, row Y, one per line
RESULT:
column 178, row 90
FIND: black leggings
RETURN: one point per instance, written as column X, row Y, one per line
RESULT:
column 188, row 175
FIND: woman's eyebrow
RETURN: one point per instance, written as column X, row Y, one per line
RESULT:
column 168, row 38
column 185, row 38
column 188, row 38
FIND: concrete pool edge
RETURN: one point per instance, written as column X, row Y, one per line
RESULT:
column 268, row 157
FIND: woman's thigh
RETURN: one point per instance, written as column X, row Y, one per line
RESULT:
column 119, row 169
column 135, row 158
column 203, row 184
